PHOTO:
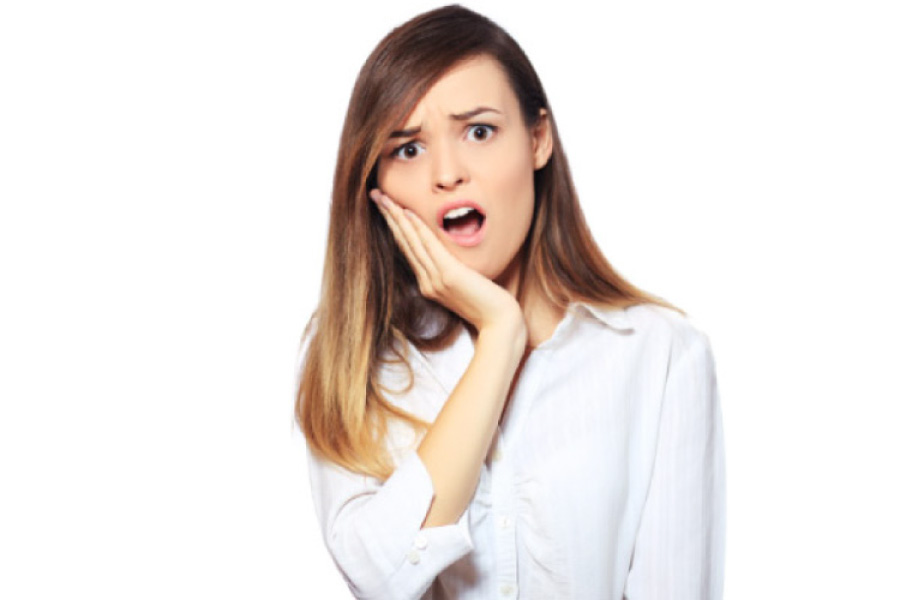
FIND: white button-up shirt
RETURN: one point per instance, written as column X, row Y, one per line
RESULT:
column 606, row 478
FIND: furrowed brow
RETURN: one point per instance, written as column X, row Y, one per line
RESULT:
column 403, row 133
column 471, row 113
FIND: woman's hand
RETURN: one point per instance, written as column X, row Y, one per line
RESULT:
column 443, row 278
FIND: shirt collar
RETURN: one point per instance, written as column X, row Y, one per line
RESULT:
column 614, row 316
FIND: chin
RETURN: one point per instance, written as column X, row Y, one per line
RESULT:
column 491, row 269
column 484, row 270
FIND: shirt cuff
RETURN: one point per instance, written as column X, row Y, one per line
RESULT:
column 408, row 557
column 404, row 501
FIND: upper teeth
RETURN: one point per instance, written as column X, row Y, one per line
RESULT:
column 458, row 212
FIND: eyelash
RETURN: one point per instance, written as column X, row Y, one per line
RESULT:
column 395, row 153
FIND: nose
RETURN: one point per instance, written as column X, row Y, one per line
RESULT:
column 449, row 170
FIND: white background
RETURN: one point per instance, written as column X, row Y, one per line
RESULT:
column 165, row 172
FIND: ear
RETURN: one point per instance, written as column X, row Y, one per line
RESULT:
column 542, row 140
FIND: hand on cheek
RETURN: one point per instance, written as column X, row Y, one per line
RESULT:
column 398, row 220
column 442, row 277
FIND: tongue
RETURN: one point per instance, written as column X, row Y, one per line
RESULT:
column 464, row 226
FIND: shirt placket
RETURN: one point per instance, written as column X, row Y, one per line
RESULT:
column 504, row 521
column 503, row 474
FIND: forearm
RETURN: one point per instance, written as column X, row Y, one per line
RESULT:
column 455, row 446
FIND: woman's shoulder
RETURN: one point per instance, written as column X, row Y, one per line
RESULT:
column 664, row 323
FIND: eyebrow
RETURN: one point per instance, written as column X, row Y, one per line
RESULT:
column 460, row 117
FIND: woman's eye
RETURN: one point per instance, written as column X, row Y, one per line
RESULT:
column 406, row 151
column 482, row 132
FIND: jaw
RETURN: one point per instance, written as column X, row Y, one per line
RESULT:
column 511, row 276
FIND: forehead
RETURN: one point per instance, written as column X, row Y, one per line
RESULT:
column 479, row 81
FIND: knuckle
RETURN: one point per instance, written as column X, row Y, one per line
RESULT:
column 427, row 290
column 447, row 280
column 440, row 285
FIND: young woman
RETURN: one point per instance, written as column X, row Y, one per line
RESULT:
column 491, row 411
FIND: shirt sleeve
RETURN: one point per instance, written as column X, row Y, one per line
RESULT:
column 373, row 530
column 679, row 550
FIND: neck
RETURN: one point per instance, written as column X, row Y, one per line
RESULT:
column 541, row 315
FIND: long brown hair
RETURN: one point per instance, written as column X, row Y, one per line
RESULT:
column 370, row 306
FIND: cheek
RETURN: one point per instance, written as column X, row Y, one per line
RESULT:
column 388, row 179
column 400, row 182
column 403, row 184
column 514, row 181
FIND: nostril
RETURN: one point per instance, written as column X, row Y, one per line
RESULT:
column 445, row 183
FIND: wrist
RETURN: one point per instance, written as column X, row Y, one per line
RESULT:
column 509, row 332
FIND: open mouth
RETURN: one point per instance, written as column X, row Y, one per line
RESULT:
column 464, row 221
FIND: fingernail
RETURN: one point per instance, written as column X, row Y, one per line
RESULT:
column 374, row 194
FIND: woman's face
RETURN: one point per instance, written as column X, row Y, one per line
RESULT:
column 464, row 162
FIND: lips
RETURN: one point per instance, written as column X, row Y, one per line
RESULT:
column 463, row 221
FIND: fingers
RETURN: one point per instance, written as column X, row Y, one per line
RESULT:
column 430, row 243
column 436, row 251
column 406, row 219
column 399, row 237
column 400, row 221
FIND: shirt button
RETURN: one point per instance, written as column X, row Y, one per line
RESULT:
column 413, row 557
column 505, row 522
column 421, row 542
column 507, row 589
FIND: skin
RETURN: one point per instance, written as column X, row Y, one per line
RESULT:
column 489, row 158
column 447, row 160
